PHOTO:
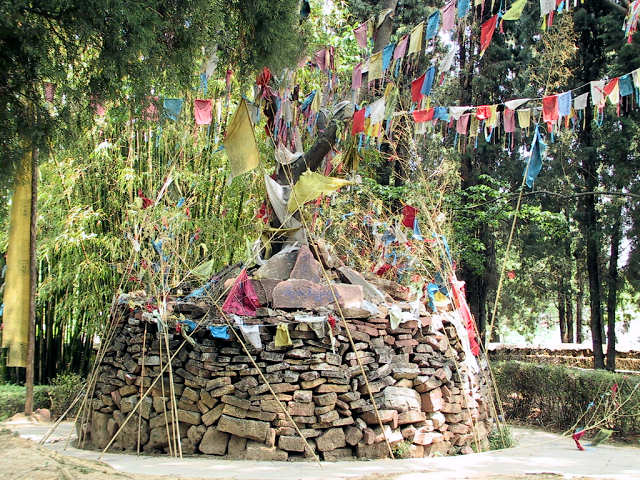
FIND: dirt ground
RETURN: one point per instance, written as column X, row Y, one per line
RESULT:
column 22, row 459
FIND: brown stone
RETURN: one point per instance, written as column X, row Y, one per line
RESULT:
column 306, row 267
column 277, row 267
column 251, row 429
column 300, row 293
column 291, row 443
column 370, row 292
column 432, row 400
column 258, row 451
column 331, row 439
column 214, row 442
column 411, row 416
column 212, row 415
column 349, row 296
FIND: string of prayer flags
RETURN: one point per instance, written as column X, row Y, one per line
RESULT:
column 534, row 165
column 172, row 107
column 456, row 112
column 433, row 24
column 240, row 142
column 515, row 11
column 448, row 13
column 630, row 25
column 415, row 40
column 375, row 67
column 486, row 33
column 463, row 8
column 427, row 85
column 310, row 186
column 361, row 35
column 282, row 338
column 242, row 298
column 202, row 111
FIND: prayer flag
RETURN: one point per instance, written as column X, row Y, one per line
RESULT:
column 430, row 75
column 242, row 298
column 420, row 116
column 282, row 336
column 240, row 142
column 483, row 112
column 625, row 84
column 358, row 122
column 463, row 123
column 310, row 186
column 509, row 121
column 550, row 108
column 202, row 111
column 415, row 40
column 597, row 96
column 534, row 165
column 387, row 54
column 463, row 8
column 547, row 6
column 376, row 111
column 401, row 49
column 580, row 102
column 219, row 331
column 375, row 66
column 456, row 112
column 433, row 24
column 172, row 107
column 441, row 113
column 361, row 35
column 486, row 33
column 515, row 11
column 513, row 104
column 524, row 118
column 17, row 290
column 612, row 91
column 564, row 104
column 409, row 215
column 449, row 16
column 416, row 87
column 356, row 77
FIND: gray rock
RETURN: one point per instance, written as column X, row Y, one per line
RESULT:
column 251, row 429
column 214, row 442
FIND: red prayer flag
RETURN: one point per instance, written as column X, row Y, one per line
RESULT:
column 242, row 298
column 550, row 109
column 416, row 87
column 409, row 216
column 460, row 298
column 483, row 112
column 610, row 86
column 448, row 13
column 356, row 77
column 509, row 120
column 486, row 33
column 202, row 111
column 422, row 116
column 361, row 35
column 358, row 122
column 463, row 124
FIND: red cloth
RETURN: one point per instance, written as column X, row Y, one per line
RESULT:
column 423, row 115
column 358, row 122
column 320, row 59
column 242, row 298
column 550, row 109
column 383, row 269
column 416, row 86
column 483, row 112
column 146, row 202
column 486, row 32
column 401, row 48
column 202, row 111
column 409, row 216
column 463, row 124
column 151, row 112
column 509, row 120
column 576, row 438
column 356, row 77
column 610, row 86
column 332, row 322
column 460, row 300
column 227, row 77
column 361, row 35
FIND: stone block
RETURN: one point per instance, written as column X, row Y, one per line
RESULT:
column 251, row 429
column 291, row 443
column 432, row 400
column 400, row 399
column 331, row 439
column 300, row 293
column 214, row 442
column 306, row 267
column 258, row 451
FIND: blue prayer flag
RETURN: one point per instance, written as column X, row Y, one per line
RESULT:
column 172, row 107
column 427, row 84
column 463, row 8
column 538, row 148
column 433, row 24
column 219, row 332
column 625, row 84
column 387, row 55
column 564, row 104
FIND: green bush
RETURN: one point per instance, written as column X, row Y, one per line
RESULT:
column 63, row 391
column 12, row 399
column 556, row 396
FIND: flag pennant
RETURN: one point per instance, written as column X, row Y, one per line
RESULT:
column 358, row 122
column 416, row 87
column 515, row 11
column 550, row 109
column 202, row 111
column 430, row 75
column 537, row 154
column 240, row 142
column 448, row 13
column 310, row 186
column 433, row 24
column 420, row 116
column 356, row 77
column 387, row 55
column 361, row 35
column 415, row 40
column 375, row 67
column 486, row 33
column 463, row 8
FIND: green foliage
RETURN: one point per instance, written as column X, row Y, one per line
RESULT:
column 402, row 449
column 501, row 437
column 559, row 397
column 63, row 391
column 12, row 399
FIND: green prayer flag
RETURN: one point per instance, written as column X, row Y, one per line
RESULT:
column 515, row 11
column 240, row 142
column 310, row 186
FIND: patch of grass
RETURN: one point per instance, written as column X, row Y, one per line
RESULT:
column 401, row 449
column 501, row 437
column 12, row 399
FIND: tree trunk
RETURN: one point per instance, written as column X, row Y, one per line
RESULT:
column 562, row 320
column 579, row 301
column 612, row 296
column 383, row 34
column 569, row 315
column 28, row 402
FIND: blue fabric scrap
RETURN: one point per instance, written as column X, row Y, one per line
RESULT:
column 221, row 331
column 538, row 148
column 172, row 107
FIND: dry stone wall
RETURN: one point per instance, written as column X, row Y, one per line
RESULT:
column 431, row 396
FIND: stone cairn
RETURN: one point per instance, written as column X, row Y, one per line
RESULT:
column 432, row 398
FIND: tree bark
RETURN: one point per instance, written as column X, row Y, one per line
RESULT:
column 562, row 320
column 579, row 301
column 612, row 295
column 28, row 403
column 569, row 315
column 383, row 34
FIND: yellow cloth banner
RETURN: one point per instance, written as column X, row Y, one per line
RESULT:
column 240, row 142
column 375, row 66
column 282, row 336
column 524, row 118
column 415, row 41
column 310, row 186
column 515, row 10
column 17, row 290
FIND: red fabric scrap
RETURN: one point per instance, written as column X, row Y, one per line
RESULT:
column 460, row 298
column 416, row 87
column 576, row 438
column 383, row 269
column 146, row 202
column 242, row 298
column 483, row 112
column 332, row 322
column 358, row 122
column 463, row 124
column 227, row 77
column 509, row 120
column 486, row 33
column 423, row 115
column 550, row 109
column 409, row 216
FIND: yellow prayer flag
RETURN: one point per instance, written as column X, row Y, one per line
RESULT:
column 515, row 11
column 492, row 121
column 17, row 290
column 524, row 118
column 240, row 142
column 310, row 186
column 415, row 41
column 375, row 66
column 282, row 336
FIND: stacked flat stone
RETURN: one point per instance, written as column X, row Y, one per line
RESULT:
column 426, row 395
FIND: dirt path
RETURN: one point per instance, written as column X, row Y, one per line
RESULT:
column 538, row 456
